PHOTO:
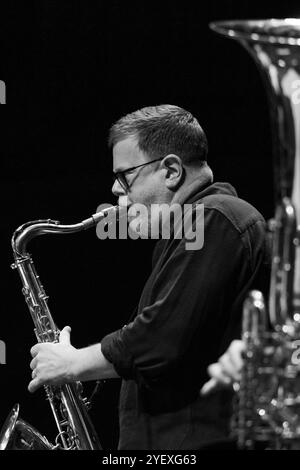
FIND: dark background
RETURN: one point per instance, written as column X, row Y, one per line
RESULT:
column 71, row 69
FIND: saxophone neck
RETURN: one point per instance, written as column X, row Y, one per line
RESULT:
column 26, row 232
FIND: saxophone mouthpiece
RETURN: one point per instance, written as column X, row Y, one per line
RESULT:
column 95, row 218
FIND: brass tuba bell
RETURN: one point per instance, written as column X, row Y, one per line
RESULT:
column 268, row 402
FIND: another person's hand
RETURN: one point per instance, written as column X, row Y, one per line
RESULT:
column 227, row 370
column 53, row 363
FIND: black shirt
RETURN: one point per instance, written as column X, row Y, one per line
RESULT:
column 189, row 311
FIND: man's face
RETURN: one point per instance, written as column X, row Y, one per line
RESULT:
column 145, row 185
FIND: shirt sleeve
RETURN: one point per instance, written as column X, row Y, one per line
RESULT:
column 187, row 294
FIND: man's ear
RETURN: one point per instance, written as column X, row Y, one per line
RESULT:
column 174, row 170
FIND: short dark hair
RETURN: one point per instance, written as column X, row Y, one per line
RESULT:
column 161, row 130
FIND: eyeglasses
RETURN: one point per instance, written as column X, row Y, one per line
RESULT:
column 121, row 178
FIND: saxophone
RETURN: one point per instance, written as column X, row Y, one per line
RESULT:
column 267, row 405
column 69, row 408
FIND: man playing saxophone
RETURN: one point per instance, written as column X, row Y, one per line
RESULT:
column 190, row 308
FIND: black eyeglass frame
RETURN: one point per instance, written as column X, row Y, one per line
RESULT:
column 120, row 175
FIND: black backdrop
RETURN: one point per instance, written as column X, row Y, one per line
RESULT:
column 71, row 68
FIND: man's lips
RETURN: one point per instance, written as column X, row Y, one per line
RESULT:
column 123, row 201
column 128, row 207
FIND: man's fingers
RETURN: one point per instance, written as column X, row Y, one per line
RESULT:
column 216, row 371
column 218, row 379
column 64, row 336
column 227, row 371
column 34, row 385
column 228, row 368
column 35, row 349
column 209, row 387
column 235, row 353
column 33, row 363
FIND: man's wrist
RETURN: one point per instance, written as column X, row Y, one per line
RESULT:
column 83, row 362
column 90, row 364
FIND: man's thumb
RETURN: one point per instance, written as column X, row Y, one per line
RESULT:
column 64, row 336
column 209, row 387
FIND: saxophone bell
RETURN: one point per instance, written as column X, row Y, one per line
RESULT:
column 16, row 434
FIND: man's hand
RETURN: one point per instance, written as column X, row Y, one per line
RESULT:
column 60, row 363
column 53, row 363
column 227, row 370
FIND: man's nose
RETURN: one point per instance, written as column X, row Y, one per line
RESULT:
column 117, row 189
